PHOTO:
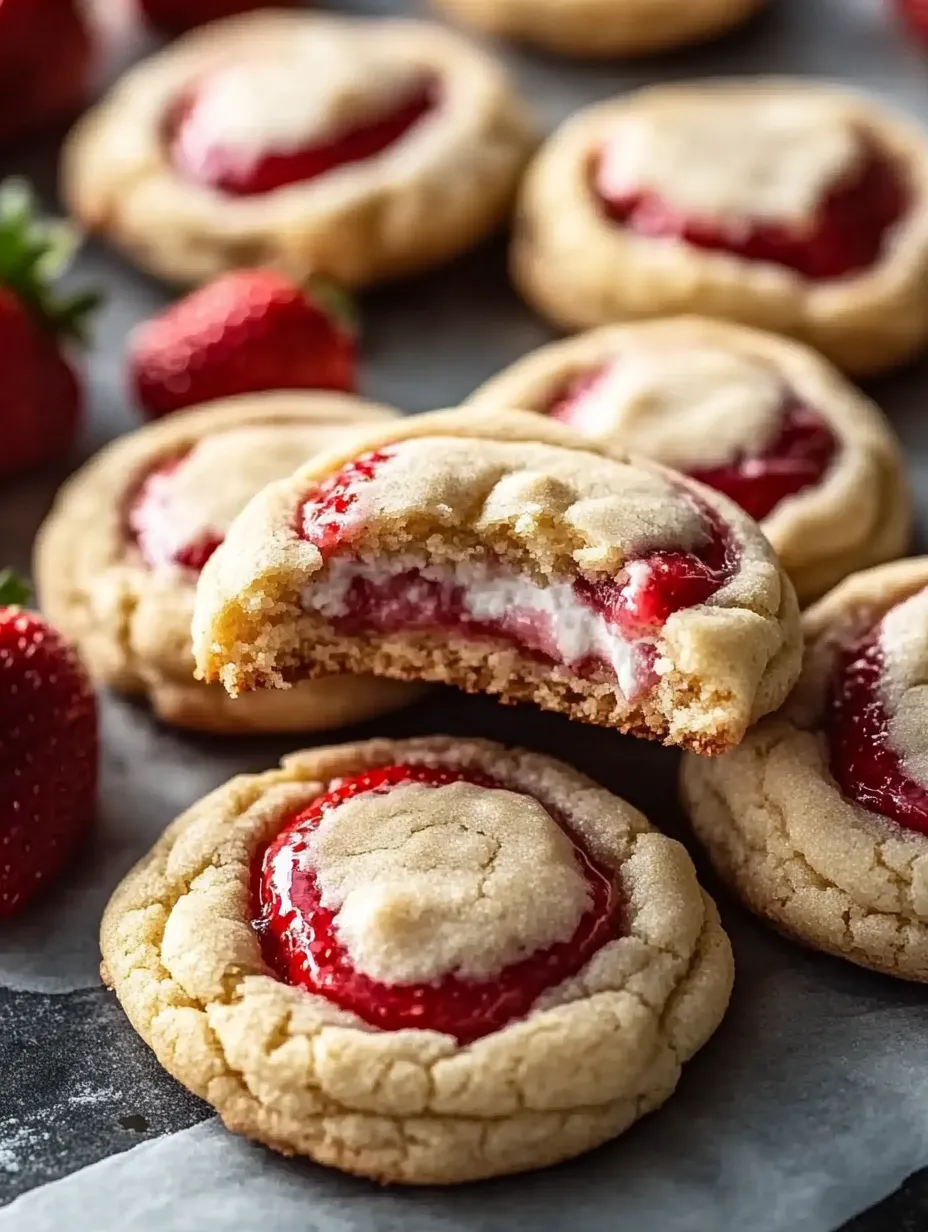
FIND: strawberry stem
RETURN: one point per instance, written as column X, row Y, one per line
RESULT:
column 14, row 592
column 336, row 302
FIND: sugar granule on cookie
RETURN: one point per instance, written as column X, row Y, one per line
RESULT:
column 423, row 961
column 504, row 554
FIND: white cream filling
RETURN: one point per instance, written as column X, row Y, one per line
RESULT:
column 550, row 618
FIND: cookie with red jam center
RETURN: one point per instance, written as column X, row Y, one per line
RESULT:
column 523, row 962
column 820, row 819
column 118, row 558
column 504, row 554
column 763, row 420
column 352, row 149
column 795, row 207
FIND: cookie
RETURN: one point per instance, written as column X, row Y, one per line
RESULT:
column 796, row 207
column 760, row 418
column 819, row 820
column 466, row 961
column 355, row 149
column 503, row 553
column 117, row 559
column 603, row 28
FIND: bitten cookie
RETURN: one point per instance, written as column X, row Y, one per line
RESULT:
column 760, row 418
column 117, row 559
column 351, row 148
column 604, row 28
column 424, row 961
column 501, row 552
column 819, row 820
column 800, row 208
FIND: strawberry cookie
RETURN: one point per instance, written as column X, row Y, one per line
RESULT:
column 352, row 148
column 819, row 819
column 798, row 207
column 604, row 28
column 502, row 553
column 118, row 557
column 424, row 961
column 760, row 418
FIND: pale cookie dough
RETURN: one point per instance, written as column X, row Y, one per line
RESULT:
column 604, row 28
column 278, row 80
column 293, row 1069
column 496, row 547
column 694, row 393
column 800, row 851
column 131, row 618
column 763, row 152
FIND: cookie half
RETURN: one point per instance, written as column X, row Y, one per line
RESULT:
column 760, row 418
column 118, row 557
column 800, row 208
column 601, row 29
column 819, row 820
column 502, row 553
column 356, row 149
column 424, row 961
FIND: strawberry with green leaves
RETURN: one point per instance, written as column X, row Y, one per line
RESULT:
column 248, row 331
column 40, row 411
column 49, row 750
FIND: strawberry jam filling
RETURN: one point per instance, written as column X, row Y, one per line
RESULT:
column 797, row 458
column 864, row 764
column 846, row 235
column 154, row 529
column 222, row 167
column 301, row 943
column 602, row 626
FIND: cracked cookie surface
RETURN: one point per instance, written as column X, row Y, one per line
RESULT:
column 117, row 559
column 624, row 214
column 754, row 414
column 819, row 820
column 503, row 553
column 356, row 149
column 598, row 1046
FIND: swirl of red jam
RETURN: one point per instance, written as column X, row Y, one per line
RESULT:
column 151, row 524
column 846, row 236
column 796, row 459
column 219, row 167
column 301, row 944
column 864, row 764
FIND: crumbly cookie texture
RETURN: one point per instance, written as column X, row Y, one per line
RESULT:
column 692, row 392
column 479, row 491
column 604, row 28
column 817, row 865
column 582, row 269
column 293, row 1070
column 432, row 194
column 131, row 620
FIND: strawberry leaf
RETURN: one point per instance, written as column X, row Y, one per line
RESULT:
column 336, row 302
column 14, row 592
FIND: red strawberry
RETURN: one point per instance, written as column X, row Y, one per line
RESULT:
column 46, row 60
column 915, row 15
column 40, row 408
column 48, row 750
column 247, row 331
column 174, row 16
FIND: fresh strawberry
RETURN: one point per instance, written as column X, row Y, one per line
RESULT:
column 48, row 749
column 41, row 402
column 249, row 330
column 175, row 16
column 46, row 61
column 915, row 15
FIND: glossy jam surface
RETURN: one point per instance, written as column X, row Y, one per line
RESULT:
column 845, row 237
column 220, row 167
column 864, row 764
column 152, row 526
column 301, row 943
column 796, row 459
